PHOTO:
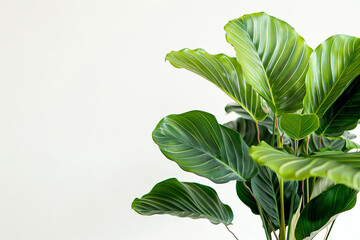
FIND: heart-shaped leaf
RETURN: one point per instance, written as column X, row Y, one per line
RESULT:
column 184, row 199
column 323, row 209
column 333, row 66
column 274, row 59
column 298, row 126
column 337, row 166
column 198, row 144
column 225, row 72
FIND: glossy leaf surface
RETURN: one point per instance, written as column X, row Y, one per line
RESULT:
column 184, row 199
column 323, row 209
column 335, row 165
column 198, row 144
column 343, row 114
column 225, row 72
column 298, row 126
column 333, row 66
column 274, row 59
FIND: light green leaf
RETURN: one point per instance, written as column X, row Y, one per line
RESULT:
column 321, row 185
column 335, row 165
column 198, row 144
column 343, row 114
column 298, row 126
column 225, row 72
column 184, row 199
column 324, row 209
column 294, row 221
column 333, row 66
column 274, row 59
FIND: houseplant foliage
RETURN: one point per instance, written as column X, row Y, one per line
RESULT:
column 289, row 148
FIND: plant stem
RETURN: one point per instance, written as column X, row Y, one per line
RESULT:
column 307, row 190
column 258, row 131
column 261, row 211
column 291, row 210
column 303, row 192
column 279, row 143
column 296, row 147
column 231, row 232
column 282, row 218
column 273, row 135
column 328, row 233
column 307, row 144
column 319, row 143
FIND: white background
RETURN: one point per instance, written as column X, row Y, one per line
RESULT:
column 82, row 86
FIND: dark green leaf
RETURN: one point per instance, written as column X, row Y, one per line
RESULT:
column 274, row 59
column 183, row 199
column 343, row 114
column 198, row 144
column 298, row 126
column 238, row 109
column 225, row 72
column 246, row 197
column 333, row 66
column 323, row 209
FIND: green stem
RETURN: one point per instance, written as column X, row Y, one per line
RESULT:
column 296, row 147
column 291, row 210
column 268, row 237
column 328, row 233
column 282, row 218
column 279, row 143
column 273, row 135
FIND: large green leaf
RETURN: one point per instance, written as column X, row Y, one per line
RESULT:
column 333, row 66
column 274, row 59
column 343, row 114
column 337, row 166
column 225, row 72
column 323, row 209
column 298, row 126
column 198, row 144
column 184, row 199
column 266, row 188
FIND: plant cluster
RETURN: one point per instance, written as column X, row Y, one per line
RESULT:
column 289, row 148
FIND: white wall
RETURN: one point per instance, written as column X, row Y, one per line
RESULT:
column 83, row 84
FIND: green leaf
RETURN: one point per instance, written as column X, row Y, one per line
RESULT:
column 321, row 185
column 298, row 126
column 238, row 109
column 333, row 66
column 225, row 72
column 247, row 129
column 198, row 144
column 343, row 114
column 323, row 209
column 266, row 188
column 274, row 59
column 294, row 221
column 184, row 199
column 335, row 165
column 246, row 197
column 339, row 143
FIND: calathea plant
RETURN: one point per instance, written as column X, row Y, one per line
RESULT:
column 289, row 149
